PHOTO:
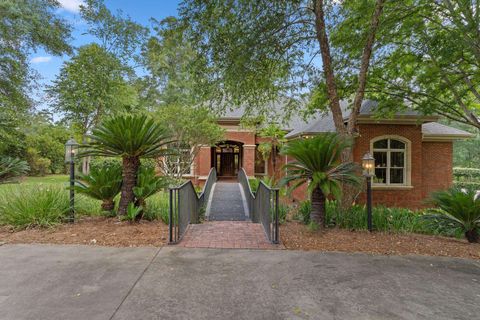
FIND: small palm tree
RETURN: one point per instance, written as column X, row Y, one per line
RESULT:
column 130, row 137
column 102, row 184
column 318, row 163
column 457, row 208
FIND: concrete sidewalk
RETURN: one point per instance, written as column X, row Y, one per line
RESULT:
column 81, row 282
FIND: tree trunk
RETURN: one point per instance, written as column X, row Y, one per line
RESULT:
column 108, row 205
column 472, row 236
column 130, row 170
column 349, row 192
column 365, row 64
column 318, row 214
column 332, row 92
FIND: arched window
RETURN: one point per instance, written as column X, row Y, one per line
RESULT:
column 391, row 161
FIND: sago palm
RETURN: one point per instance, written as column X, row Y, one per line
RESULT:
column 457, row 208
column 131, row 137
column 317, row 162
column 102, row 184
column 148, row 184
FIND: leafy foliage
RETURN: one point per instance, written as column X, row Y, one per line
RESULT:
column 169, row 58
column 101, row 184
column 39, row 166
column 430, row 58
column 26, row 26
column 91, row 86
column 457, row 208
column 128, row 135
column 118, row 34
column 190, row 127
column 148, row 184
column 132, row 213
column 158, row 207
column 132, row 138
column 11, row 168
column 317, row 162
column 33, row 207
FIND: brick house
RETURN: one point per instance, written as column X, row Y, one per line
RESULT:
column 413, row 153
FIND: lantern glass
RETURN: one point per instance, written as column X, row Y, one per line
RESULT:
column 71, row 148
column 368, row 165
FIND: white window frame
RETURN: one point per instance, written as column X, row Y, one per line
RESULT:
column 407, row 160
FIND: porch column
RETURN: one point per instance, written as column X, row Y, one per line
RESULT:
column 249, row 159
column 203, row 163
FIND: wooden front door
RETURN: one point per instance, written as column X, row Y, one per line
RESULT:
column 228, row 164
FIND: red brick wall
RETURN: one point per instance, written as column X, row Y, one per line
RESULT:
column 437, row 166
column 412, row 197
column 430, row 163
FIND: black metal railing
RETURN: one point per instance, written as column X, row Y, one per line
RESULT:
column 185, row 206
column 262, row 205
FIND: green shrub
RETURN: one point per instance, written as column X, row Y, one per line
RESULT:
column 39, row 166
column 157, row 207
column 470, row 173
column 12, row 168
column 457, row 208
column 33, row 207
column 467, row 184
column 304, row 211
column 100, row 163
column 133, row 213
column 254, row 184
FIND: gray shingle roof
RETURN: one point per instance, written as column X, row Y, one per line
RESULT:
column 438, row 129
column 323, row 122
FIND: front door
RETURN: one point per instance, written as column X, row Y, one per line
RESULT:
column 228, row 164
column 227, row 158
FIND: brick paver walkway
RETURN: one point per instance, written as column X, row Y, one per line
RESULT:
column 227, row 234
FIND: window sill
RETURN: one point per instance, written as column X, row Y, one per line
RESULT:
column 391, row 187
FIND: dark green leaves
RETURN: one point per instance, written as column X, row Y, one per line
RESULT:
column 129, row 135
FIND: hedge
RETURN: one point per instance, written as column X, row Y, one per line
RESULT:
column 471, row 173
column 467, row 184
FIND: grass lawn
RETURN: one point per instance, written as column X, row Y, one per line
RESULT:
column 53, row 179
column 50, row 179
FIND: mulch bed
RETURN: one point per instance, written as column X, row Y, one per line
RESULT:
column 297, row 236
column 94, row 231
column 294, row 236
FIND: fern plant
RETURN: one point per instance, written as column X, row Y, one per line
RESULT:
column 457, row 208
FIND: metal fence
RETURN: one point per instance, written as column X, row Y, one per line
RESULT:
column 185, row 206
column 262, row 205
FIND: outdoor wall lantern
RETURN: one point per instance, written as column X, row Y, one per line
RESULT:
column 71, row 147
column 368, row 165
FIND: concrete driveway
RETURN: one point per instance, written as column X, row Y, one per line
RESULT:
column 80, row 282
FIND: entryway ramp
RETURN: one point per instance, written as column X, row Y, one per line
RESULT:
column 227, row 203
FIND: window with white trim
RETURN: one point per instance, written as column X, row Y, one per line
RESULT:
column 390, row 162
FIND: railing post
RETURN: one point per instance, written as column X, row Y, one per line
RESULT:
column 276, row 238
column 170, row 218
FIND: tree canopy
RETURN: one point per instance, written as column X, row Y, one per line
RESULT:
column 431, row 60
column 91, row 85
